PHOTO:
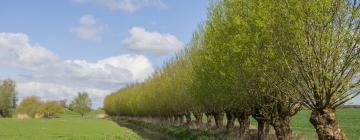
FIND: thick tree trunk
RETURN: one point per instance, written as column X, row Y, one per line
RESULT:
column 230, row 120
column 263, row 129
column 1, row 113
column 183, row 119
column 209, row 119
column 267, row 128
column 188, row 118
column 198, row 117
column 172, row 119
column 326, row 126
column 282, row 128
column 178, row 119
column 219, row 118
column 244, row 122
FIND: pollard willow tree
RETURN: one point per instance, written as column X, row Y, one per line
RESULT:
column 276, row 99
column 164, row 95
column 240, row 60
column 279, row 54
column 323, row 54
column 210, row 71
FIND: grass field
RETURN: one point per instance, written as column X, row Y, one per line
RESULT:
column 69, row 126
column 349, row 119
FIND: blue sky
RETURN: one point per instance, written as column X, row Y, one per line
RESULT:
column 49, row 22
column 54, row 49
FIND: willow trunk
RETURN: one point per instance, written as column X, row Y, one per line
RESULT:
column 324, row 121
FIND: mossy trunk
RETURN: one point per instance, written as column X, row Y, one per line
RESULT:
column 244, row 122
column 230, row 120
column 324, row 121
column 219, row 118
column 282, row 128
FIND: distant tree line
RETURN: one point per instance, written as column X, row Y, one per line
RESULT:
column 265, row 59
column 33, row 106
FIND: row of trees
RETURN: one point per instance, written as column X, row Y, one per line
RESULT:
column 265, row 59
column 32, row 106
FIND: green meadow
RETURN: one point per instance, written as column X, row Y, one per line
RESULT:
column 69, row 126
column 348, row 118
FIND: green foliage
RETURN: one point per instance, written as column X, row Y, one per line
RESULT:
column 50, row 108
column 29, row 106
column 81, row 103
column 34, row 107
column 264, row 57
column 7, row 97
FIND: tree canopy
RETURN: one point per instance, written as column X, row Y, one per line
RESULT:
column 262, row 58
column 81, row 103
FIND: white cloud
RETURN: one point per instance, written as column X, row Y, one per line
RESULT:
column 138, row 65
column 64, row 80
column 124, row 5
column 17, row 51
column 47, row 76
column 107, row 73
column 89, row 28
column 153, row 42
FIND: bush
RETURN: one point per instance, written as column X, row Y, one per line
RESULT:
column 49, row 108
column 34, row 107
column 29, row 106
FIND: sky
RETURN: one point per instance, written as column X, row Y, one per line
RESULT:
column 55, row 49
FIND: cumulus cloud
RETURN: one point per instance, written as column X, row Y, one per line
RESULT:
column 89, row 28
column 17, row 51
column 51, row 78
column 124, row 5
column 65, row 79
column 153, row 42
column 107, row 73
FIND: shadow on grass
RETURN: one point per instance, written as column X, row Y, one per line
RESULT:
column 153, row 131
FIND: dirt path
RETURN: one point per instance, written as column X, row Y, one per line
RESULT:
column 145, row 133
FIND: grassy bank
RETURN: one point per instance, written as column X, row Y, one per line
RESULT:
column 178, row 132
column 348, row 118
